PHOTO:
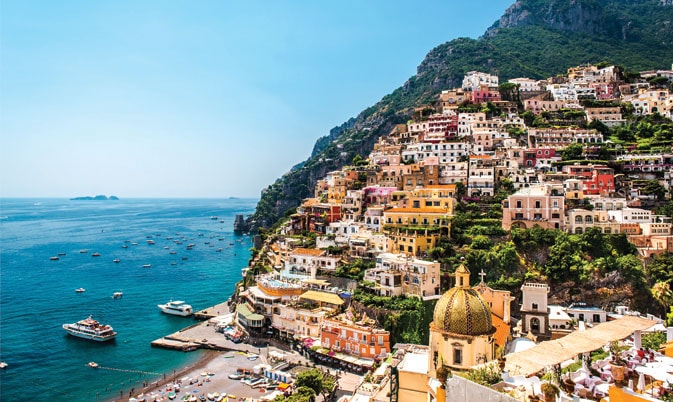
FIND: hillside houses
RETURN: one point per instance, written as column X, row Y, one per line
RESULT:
column 396, row 206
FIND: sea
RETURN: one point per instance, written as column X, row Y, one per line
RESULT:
column 37, row 294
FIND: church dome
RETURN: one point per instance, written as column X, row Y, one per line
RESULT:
column 461, row 310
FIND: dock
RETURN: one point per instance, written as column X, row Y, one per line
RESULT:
column 212, row 312
column 202, row 335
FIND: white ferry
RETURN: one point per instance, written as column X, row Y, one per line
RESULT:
column 177, row 307
column 90, row 329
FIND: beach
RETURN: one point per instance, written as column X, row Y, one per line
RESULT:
column 206, row 376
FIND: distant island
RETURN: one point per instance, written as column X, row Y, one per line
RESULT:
column 96, row 198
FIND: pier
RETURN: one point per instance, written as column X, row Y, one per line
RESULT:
column 212, row 312
column 202, row 335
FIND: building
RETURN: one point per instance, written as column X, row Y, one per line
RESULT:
column 541, row 205
column 356, row 337
column 534, row 310
column 461, row 332
column 473, row 80
column 584, row 312
column 397, row 274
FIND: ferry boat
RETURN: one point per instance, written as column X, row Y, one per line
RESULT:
column 90, row 329
column 177, row 307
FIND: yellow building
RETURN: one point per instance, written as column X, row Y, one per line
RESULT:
column 461, row 333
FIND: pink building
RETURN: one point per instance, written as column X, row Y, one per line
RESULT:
column 541, row 205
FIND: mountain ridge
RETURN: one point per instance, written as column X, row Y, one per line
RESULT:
column 533, row 38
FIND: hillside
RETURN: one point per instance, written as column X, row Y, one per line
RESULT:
column 534, row 38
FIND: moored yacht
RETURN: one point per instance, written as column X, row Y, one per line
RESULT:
column 177, row 307
column 90, row 329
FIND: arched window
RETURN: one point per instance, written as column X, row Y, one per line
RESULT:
column 588, row 219
column 578, row 230
column 535, row 324
column 578, row 219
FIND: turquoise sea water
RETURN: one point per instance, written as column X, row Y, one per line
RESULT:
column 38, row 295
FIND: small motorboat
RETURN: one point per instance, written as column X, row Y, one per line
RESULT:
column 3, row 365
column 117, row 295
column 93, row 364
column 80, row 290
column 83, row 251
column 116, row 260
column 95, row 255
column 54, row 258
column 147, row 266
column 61, row 254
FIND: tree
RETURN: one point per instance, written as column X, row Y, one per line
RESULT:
column 316, row 380
column 509, row 91
column 662, row 294
column 301, row 394
column 572, row 152
column 653, row 187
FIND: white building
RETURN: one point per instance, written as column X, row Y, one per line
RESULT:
column 397, row 274
column 526, row 84
column 473, row 80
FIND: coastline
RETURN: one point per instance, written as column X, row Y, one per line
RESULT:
column 198, row 366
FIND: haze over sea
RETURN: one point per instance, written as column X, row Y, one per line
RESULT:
column 38, row 295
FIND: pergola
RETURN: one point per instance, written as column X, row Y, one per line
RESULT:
column 550, row 353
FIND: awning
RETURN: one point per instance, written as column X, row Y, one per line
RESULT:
column 323, row 297
column 247, row 314
column 550, row 353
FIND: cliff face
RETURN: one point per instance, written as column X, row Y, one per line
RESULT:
column 534, row 38
column 626, row 20
column 572, row 16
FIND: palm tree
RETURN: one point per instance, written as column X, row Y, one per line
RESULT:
column 662, row 293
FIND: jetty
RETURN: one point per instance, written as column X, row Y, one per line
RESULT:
column 202, row 335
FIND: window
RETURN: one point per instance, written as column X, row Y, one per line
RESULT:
column 518, row 204
column 597, row 318
column 534, row 306
column 535, row 324
column 457, row 356
column 537, row 204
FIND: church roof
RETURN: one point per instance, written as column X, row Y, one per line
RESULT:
column 501, row 330
column 462, row 311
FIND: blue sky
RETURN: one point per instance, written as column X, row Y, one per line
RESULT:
column 197, row 98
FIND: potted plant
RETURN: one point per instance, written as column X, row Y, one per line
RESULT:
column 618, row 364
column 550, row 391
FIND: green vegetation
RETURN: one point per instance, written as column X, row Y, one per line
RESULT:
column 485, row 375
column 407, row 318
column 653, row 340
column 356, row 269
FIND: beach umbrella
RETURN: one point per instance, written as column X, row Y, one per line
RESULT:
column 641, row 382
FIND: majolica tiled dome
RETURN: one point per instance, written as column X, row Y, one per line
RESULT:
column 461, row 310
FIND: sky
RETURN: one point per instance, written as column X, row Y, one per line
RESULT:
column 198, row 99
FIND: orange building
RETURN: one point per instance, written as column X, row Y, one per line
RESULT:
column 362, row 338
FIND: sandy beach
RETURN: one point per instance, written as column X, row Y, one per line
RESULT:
column 206, row 376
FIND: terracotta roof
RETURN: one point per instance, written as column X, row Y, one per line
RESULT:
column 501, row 330
column 308, row 251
